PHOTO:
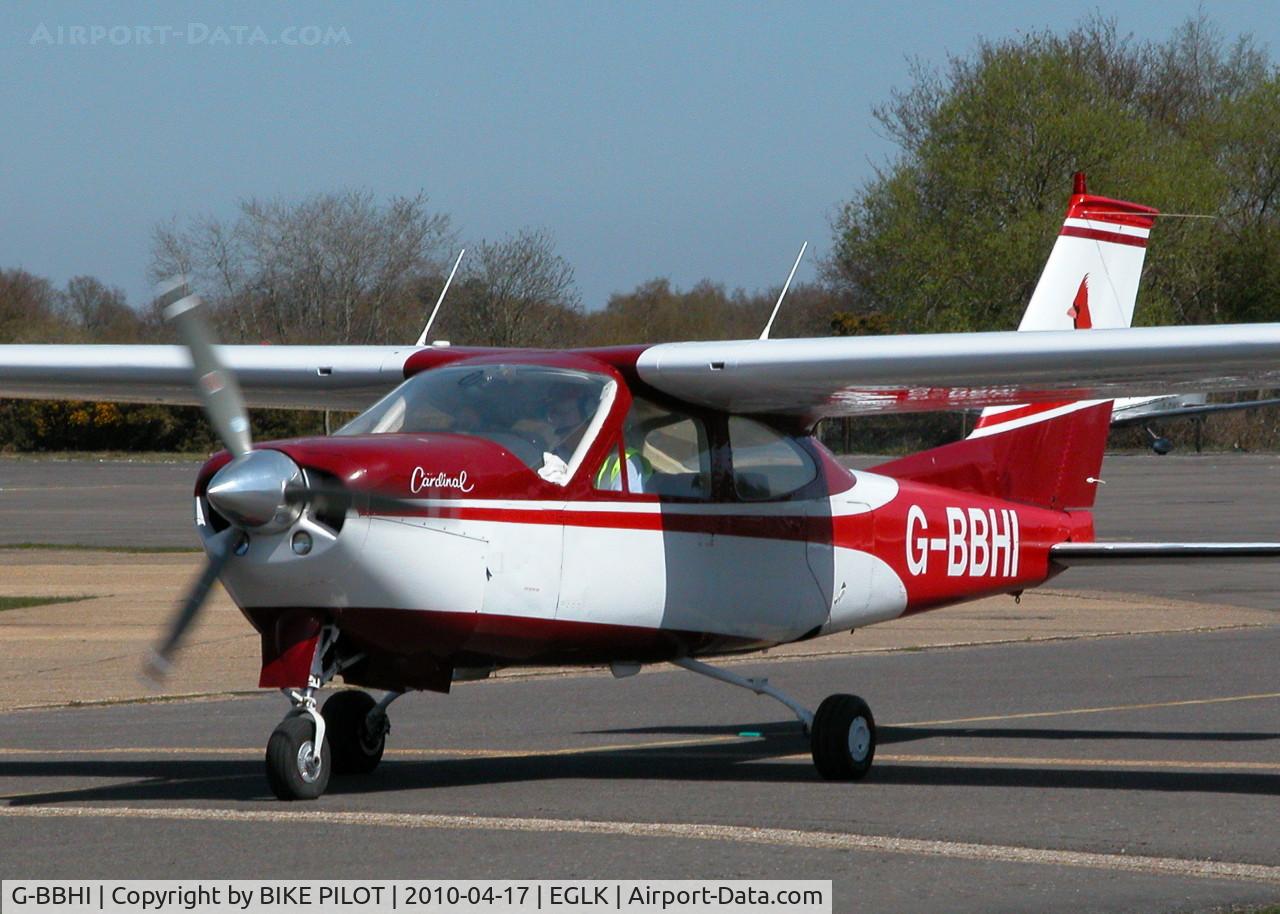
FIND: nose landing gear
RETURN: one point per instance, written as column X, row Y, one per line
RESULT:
column 351, row 732
column 298, row 755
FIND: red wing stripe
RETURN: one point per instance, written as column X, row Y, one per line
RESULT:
column 1100, row 235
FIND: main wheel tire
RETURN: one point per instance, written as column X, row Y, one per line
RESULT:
column 356, row 745
column 291, row 770
column 843, row 738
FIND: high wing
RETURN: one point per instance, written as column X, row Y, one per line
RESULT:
column 810, row 378
column 850, row 376
column 295, row 377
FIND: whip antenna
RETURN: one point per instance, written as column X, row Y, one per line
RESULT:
column 422, row 339
column 783, row 294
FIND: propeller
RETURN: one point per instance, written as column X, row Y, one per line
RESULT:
column 217, row 387
column 160, row 661
column 224, row 406
column 259, row 491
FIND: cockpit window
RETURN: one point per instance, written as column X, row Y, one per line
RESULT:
column 545, row 416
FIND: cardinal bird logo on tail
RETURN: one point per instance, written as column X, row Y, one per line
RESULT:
column 1079, row 310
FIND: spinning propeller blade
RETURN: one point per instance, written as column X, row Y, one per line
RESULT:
column 370, row 501
column 160, row 661
column 258, row 491
column 224, row 407
column 217, row 387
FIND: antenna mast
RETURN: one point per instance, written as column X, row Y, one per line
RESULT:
column 783, row 294
column 422, row 339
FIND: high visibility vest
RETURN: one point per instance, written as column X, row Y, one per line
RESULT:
column 610, row 475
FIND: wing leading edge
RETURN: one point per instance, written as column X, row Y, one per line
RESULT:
column 294, row 377
column 810, row 378
column 850, row 376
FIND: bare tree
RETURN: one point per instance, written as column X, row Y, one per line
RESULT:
column 28, row 308
column 101, row 312
column 515, row 292
column 329, row 268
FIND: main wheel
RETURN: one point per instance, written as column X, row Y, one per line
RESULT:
column 356, row 740
column 843, row 738
column 292, row 772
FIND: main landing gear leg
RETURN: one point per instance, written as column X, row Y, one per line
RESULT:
column 842, row 733
column 759, row 686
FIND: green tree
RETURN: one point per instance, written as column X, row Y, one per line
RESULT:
column 951, row 235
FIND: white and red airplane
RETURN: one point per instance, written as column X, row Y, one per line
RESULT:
column 647, row 504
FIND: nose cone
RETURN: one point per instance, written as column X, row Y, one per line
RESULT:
column 253, row 491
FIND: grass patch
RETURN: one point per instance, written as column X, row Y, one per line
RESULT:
column 81, row 547
column 24, row 602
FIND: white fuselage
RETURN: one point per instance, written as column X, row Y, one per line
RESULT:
column 613, row 563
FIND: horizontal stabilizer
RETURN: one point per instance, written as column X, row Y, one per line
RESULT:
column 1138, row 414
column 1075, row 554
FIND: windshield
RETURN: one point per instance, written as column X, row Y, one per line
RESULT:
column 545, row 416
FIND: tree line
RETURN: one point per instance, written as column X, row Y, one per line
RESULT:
column 949, row 234
column 376, row 271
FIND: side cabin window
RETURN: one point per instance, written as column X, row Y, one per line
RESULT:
column 767, row 464
column 663, row 452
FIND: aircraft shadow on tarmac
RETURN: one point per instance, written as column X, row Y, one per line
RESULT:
column 888, row 734
column 769, row 758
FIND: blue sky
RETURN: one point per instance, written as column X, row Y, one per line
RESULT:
column 687, row 140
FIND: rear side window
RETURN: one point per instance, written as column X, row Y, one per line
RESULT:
column 664, row 452
column 766, row 464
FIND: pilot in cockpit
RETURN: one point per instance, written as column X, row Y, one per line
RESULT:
column 568, row 414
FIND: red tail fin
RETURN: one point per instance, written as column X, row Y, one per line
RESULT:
column 1048, row 454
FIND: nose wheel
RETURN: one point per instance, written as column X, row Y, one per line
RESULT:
column 295, row 770
column 351, row 732
column 843, row 738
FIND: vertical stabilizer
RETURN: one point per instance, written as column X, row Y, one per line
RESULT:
column 1048, row 454
column 1090, row 282
column 1096, row 262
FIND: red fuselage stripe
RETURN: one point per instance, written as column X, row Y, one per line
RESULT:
column 776, row 526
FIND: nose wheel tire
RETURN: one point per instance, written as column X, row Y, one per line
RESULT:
column 843, row 738
column 292, row 769
column 356, row 739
